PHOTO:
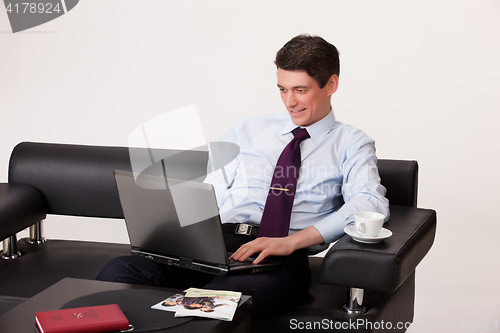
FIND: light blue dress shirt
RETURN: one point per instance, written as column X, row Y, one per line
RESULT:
column 338, row 176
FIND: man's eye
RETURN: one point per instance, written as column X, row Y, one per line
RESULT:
column 282, row 89
column 300, row 91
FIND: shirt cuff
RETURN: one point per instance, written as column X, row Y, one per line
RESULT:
column 331, row 228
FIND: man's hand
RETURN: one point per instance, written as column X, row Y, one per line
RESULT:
column 279, row 246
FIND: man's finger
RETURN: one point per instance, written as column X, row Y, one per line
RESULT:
column 239, row 252
column 248, row 253
column 261, row 257
column 242, row 254
column 247, row 250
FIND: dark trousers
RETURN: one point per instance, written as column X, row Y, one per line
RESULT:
column 270, row 291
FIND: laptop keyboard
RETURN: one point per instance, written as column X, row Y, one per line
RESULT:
column 234, row 263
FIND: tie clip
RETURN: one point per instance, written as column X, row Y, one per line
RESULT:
column 277, row 188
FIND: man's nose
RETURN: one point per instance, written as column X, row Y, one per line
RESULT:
column 290, row 100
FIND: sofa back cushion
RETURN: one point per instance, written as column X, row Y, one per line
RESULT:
column 78, row 180
column 400, row 178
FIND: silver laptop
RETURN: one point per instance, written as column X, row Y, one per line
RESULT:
column 177, row 223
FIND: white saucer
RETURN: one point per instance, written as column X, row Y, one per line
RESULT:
column 351, row 231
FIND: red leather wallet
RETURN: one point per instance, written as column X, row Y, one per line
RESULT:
column 91, row 319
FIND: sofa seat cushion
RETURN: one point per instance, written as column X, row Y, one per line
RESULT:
column 42, row 265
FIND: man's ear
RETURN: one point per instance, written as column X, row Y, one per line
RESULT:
column 333, row 84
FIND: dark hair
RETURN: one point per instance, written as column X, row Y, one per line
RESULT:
column 312, row 54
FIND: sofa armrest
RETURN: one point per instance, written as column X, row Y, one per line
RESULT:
column 20, row 207
column 386, row 265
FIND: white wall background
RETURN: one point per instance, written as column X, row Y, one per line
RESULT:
column 421, row 77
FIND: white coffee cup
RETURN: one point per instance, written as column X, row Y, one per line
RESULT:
column 368, row 224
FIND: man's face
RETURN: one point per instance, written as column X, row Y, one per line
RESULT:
column 305, row 101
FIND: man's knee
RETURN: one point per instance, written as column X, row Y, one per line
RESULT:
column 113, row 267
column 128, row 269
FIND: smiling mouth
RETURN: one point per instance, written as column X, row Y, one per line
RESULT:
column 297, row 111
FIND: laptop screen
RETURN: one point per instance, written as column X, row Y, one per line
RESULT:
column 170, row 217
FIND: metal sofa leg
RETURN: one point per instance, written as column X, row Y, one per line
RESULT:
column 355, row 301
column 10, row 248
column 36, row 235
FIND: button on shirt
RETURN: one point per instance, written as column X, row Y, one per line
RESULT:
column 338, row 176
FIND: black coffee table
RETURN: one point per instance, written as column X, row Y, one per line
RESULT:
column 21, row 319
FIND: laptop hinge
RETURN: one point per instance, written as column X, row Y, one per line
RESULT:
column 185, row 262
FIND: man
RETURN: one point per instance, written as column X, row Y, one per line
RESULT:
column 335, row 177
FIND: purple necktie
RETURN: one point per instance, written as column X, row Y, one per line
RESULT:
column 278, row 209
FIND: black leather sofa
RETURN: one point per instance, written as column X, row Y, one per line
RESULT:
column 375, row 282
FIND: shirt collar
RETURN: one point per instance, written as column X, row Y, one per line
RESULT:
column 317, row 131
